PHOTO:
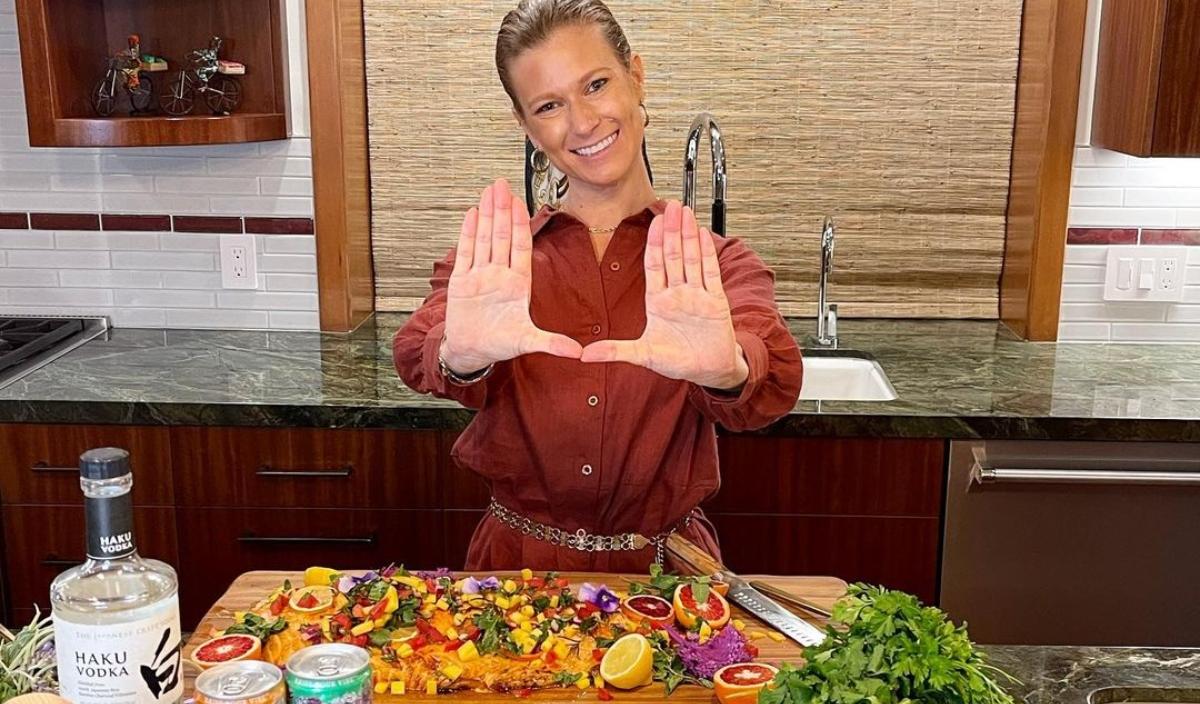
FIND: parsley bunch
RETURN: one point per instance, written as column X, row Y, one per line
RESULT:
column 888, row 649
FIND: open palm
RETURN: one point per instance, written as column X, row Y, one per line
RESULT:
column 487, row 299
column 689, row 330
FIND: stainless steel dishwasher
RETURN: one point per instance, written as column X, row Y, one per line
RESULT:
column 1074, row 543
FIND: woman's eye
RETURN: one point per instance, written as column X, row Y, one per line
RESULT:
column 544, row 107
column 597, row 84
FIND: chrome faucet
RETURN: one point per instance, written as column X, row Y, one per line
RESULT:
column 827, row 315
column 705, row 124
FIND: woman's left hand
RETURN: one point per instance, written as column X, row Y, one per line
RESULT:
column 689, row 330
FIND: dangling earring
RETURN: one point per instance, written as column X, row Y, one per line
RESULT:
column 539, row 161
column 647, row 114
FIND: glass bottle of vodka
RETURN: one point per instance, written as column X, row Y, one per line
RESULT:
column 116, row 616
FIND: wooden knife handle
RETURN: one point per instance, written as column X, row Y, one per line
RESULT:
column 692, row 557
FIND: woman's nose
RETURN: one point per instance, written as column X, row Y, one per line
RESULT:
column 583, row 118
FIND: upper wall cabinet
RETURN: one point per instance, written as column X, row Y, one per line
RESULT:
column 1148, row 78
column 147, row 72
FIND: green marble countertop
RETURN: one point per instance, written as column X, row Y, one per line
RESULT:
column 1069, row 674
column 955, row 379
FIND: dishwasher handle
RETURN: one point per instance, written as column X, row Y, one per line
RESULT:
column 983, row 473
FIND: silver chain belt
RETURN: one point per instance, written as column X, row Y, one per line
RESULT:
column 581, row 539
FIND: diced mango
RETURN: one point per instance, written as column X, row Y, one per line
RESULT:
column 583, row 682
column 549, row 643
column 541, row 618
column 442, row 604
column 598, row 682
column 705, row 633
column 409, row 581
column 431, row 686
column 502, row 602
column 381, row 687
column 428, row 599
column 405, row 650
column 775, row 636
column 510, row 586
column 739, row 624
column 459, row 618
column 398, row 687
column 527, row 646
column 561, row 650
column 526, row 626
column 519, row 618
column 554, row 602
column 452, row 671
column 527, row 611
column 363, row 628
column 526, row 574
column 536, row 633
column 452, row 634
column 754, row 635
column 571, row 631
column 468, row 652
column 239, row 616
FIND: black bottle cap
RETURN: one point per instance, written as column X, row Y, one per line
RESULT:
column 104, row 463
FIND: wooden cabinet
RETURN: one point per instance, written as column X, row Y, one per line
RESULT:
column 862, row 509
column 1146, row 78
column 65, row 43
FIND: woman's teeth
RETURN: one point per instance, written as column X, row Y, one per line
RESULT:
column 598, row 146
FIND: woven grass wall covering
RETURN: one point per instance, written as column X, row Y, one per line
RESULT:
column 895, row 116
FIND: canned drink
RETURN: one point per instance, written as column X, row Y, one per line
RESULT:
column 330, row 673
column 244, row 682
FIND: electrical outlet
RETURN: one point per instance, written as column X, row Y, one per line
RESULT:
column 239, row 264
column 1141, row 273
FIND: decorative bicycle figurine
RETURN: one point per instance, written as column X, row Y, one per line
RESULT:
column 124, row 72
column 210, row 77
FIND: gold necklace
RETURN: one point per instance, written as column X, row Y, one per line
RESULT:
column 601, row 230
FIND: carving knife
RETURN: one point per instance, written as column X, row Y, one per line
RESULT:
column 761, row 606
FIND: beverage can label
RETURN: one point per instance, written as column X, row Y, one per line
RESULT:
column 137, row 662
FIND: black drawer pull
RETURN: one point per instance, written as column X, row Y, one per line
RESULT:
column 40, row 466
column 274, row 539
column 52, row 561
column 343, row 471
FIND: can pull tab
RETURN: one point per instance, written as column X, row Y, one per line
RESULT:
column 235, row 684
column 329, row 666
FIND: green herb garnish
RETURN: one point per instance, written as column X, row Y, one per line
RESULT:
column 886, row 648
column 668, row 666
column 257, row 626
column 664, row 585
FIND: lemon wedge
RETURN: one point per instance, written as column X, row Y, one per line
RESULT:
column 320, row 576
column 629, row 662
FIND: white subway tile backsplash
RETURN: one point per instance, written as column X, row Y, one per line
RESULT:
column 50, row 259
column 197, row 280
column 51, row 202
column 290, row 147
column 1188, row 217
column 1079, row 332
column 287, row 263
column 28, row 277
column 1085, row 156
column 181, row 261
column 26, row 239
column 1116, row 311
column 1083, row 292
column 102, row 182
column 1086, row 254
column 1155, row 332
column 182, row 242
column 164, row 298
column 1078, row 274
column 272, row 186
column 60, row 297
column 48, row 161
column 291, row 282
column 167, row 203
column 125, row 163
column 217, row 318
column 24, row 181
column 110, row 278
column 289, row 244
column 267, row 300
column 1184, row 314
column 1192, row 276
column 1097, row 196
column 206, row 184
column 1161, row 197
column 111, row 241
column 139, row 317
column 262, row 205
column 294, row 320
column 261, row 166
column 1121, row 217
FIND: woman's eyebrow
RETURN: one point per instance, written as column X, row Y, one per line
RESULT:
column 587, row 78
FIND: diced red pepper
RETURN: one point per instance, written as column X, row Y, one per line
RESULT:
column 551, row 657
column 604, row 695
column 536, row 582
column 474, row 633
column 342, row 620
column 597, row 654
column 417, row 642
column 379, row 609
column 752, row 650
column 431, row 634
column 454, row 645
column 584, row 610
column 358, row 611
column 307, row 601
column 279, row 605
column 361, row 641
column 562, row 582
column 523, row 693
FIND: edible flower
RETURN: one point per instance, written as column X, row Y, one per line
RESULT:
column 435, row 574
column 600, row 596
column 474, row 586
column 346, row 583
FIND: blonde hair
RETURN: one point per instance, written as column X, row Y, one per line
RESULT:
column 533, row 21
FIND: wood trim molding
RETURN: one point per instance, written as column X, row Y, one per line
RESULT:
column 1043, row 154
column 341, row 165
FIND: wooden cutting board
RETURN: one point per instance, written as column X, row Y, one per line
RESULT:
column 249, row 588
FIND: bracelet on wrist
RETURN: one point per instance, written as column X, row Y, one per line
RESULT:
column 461, row 380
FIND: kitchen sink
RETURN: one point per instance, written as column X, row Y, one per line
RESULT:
column 844, row 375
column 1143, row 695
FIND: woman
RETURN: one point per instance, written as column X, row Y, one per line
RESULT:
column 600, row 342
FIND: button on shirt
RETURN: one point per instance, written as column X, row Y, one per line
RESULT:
column 641, row 453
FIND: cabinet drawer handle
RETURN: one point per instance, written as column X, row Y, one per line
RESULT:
column 40, row 466
column 316, row 540
column 52, row 561
column 343, row 471
column 991, row 475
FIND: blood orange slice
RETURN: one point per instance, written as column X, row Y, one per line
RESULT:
column 714, row 611
column 223, row 649
column 741, row 683
column 645, row 607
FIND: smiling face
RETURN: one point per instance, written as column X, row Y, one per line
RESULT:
column 580, row 105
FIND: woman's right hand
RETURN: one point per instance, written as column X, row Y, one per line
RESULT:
column 487, row 301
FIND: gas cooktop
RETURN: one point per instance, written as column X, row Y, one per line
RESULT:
column 27, row 343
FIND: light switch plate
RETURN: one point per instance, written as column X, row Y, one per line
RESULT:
column 1136, row 273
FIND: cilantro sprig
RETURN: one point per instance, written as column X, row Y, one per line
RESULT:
column 664, row 585
column 886, row 648
column 257, row 626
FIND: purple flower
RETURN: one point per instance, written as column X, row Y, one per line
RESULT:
column 346, row 583
column 600, row 596
column 435, row 574
column 471, row 585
